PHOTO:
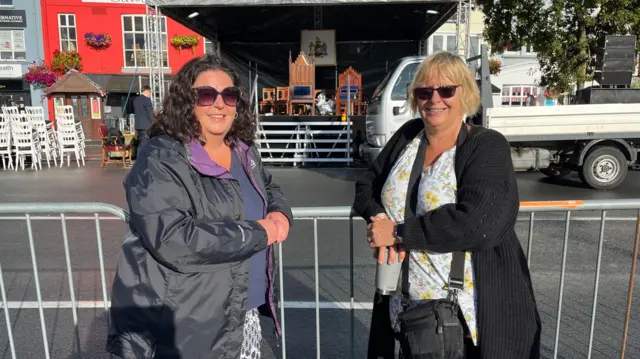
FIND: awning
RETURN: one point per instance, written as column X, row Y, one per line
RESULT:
column 74, row 82
column 122, row 83
column 251, row 21
column 274, row 2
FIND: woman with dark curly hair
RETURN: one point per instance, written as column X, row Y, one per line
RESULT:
column 196, row 269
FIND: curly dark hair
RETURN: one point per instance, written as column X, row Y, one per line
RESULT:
column 176, row 118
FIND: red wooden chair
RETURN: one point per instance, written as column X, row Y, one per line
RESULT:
column 108, row 148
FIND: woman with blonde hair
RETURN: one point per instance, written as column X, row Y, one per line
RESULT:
column 443, row 196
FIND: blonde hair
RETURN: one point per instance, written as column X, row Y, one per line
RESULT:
column 452, row 67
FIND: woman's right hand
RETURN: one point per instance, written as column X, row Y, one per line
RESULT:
column 272, row 230
column 395, row 250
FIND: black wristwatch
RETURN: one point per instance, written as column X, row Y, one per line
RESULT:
column 399, row 232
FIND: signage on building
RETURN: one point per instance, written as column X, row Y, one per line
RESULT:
column 13, row 18
column 121, row 2
column 10, row 71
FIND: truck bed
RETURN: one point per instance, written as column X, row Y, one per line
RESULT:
column 572, row 122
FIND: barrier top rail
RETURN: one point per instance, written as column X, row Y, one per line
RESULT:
column 337, row 211
column 64, row 207
column 528, row 206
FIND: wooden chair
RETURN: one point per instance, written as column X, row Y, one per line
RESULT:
column 108, row 147
column 302, row 83
column 268, row 99
column 282, row 101
column 342, row 93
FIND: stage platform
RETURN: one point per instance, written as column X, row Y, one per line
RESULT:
column 301, row 140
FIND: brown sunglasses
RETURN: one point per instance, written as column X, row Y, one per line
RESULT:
column 426, row 93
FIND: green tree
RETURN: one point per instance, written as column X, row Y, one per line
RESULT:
column 564, row 33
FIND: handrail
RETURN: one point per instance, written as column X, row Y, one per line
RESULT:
column 525, row 207
column 317, row 211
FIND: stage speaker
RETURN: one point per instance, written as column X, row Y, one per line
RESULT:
column 618, row 60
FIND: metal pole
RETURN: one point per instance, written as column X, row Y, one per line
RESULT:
column 632, row 279
column 348, row 147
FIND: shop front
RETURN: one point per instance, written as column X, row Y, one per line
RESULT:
column 14, row 91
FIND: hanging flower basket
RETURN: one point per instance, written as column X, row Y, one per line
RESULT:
column 495, row 66
column 40, row 76
column 185, row 42
column 97, row 41
column 64, row 61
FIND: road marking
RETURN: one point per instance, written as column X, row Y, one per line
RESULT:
column 585, row 219
column 100, row 305
column 557, row 204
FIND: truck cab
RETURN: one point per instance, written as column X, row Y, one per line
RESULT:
column 388, row 109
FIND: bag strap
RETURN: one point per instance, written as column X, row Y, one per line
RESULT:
column 456, row 274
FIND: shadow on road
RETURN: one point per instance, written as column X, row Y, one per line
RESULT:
column 343, row 333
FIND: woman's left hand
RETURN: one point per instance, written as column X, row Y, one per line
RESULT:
column 380, row 232
column 283, row 224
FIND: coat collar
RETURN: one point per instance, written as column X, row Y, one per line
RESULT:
column 200, row 160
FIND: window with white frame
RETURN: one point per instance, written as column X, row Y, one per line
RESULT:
column 442, row 42
column 516, row 95
column 134, row 29
column 447, row 42
column 12, row 45
column 6, row 2
column 518, row 50
column 474, row 46
column 67, row 31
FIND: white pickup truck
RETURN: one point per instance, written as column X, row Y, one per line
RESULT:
column 600, row 142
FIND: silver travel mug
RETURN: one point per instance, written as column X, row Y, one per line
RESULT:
column 388, row 275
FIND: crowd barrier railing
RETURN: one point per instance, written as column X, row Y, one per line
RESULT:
column 98, row 211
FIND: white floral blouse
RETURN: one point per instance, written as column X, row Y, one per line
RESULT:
column 428, row 272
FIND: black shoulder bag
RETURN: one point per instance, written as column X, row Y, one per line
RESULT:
column 433, row 329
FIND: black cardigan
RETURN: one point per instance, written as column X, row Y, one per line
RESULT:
column 481, row 221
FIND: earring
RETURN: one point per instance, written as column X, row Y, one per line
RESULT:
column 236, row 116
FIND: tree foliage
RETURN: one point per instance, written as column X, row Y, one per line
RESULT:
column 565, row 34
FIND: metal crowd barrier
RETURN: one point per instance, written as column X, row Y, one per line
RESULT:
column 26, row 212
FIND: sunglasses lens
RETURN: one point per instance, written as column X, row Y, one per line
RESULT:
column 447, row 91
column 206, row 96
column 423, row 93
column 230, row 96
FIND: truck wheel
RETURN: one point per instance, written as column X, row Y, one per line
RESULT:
column 604, row 168
column 555, row 172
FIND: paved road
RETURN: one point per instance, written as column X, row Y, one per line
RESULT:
column 306, row 187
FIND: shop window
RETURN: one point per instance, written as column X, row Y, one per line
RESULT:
column 12, row 46
column 134, row 30
column 68, row 34
column 517, row 95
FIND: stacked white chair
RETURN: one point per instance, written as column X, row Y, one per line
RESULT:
column 46, row 135
column 25, row 141
column 5, row 142
column 70, row 136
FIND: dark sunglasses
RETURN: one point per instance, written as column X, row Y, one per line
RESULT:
column 207, row 95
column 426, row 93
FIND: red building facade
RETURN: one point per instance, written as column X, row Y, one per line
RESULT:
column 121, row 68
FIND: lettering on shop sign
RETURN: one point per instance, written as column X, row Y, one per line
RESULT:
column 13, row 18
column 125, row 2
